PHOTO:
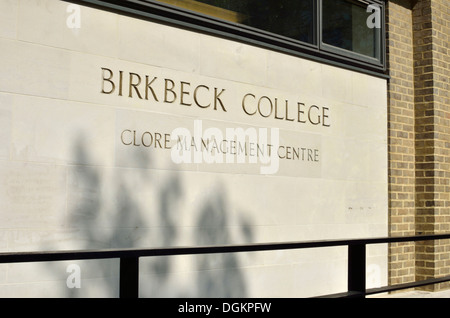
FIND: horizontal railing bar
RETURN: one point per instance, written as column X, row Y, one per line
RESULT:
column 420, row 283
column 44, row 256
column 129, row 258
column 348, row 294
column 385, row 289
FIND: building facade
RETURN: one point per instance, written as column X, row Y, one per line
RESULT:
column 189, row 123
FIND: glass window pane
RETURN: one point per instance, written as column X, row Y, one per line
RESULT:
column 345, row 26
column 289, row 18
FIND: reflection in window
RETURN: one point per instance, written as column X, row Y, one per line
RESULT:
column 345, row 26
column 333, row 27
column 288, row 18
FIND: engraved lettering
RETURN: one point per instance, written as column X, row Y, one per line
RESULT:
column 265, row 114
column 134, row 85
column 183, row 93
column 169, row 89
column 218, row 100
column 244, row 105
column 148, row 86
column 120, row 82
column 300, row 113
column 121, row 137
column 287, row 111
column 196, row 98
column 109, row 80
column 309, row 116
column 158, row 139
column 276, row 110
column 150, row 139
column 268, row 107
column 134, row 139
column 325, row 116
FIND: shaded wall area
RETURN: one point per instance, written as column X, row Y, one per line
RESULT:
column 126, row 208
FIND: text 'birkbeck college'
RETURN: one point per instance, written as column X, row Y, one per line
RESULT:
column 203, row 96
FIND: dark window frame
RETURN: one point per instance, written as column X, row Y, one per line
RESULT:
column 380, row 40
column 317, row 51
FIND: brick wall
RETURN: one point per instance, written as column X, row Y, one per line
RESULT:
column 401, row 138
column 431, row 67
column 419, row 136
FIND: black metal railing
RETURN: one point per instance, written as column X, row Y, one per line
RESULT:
column 129, row 260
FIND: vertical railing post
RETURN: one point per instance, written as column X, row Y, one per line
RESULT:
column 129, row 277
column 357, row 269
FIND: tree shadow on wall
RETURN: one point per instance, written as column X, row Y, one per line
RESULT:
column 106, row 210
column 89, row 205
column 101, row 215
column 220, row 275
